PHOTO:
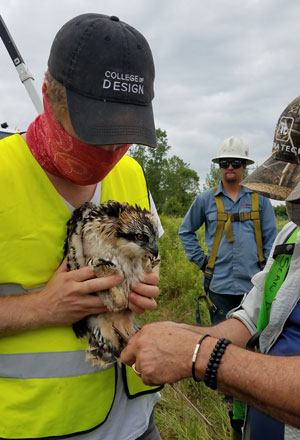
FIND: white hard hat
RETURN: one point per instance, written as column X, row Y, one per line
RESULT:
column 233, row 147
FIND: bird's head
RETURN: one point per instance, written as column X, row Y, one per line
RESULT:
column 138, row 231
column 128, row 228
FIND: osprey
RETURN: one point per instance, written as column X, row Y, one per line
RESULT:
column 114, row 238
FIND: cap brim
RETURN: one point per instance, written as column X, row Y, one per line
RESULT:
column 105, row 123
column 274, row 178
column 229, row 156
column 294, row 196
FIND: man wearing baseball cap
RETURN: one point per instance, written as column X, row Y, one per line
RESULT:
column 255, row 354
column 97, row 97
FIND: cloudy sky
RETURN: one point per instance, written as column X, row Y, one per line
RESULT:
column 223, row 67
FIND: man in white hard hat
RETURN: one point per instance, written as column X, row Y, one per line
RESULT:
column 240, row 228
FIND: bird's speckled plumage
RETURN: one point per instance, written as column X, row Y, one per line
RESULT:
column 114, row 238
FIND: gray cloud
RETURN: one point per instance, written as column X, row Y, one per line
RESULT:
column 223, row 67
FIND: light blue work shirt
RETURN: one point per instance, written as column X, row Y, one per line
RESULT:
column 236, row 262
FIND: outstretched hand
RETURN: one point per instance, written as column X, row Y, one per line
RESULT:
column 162, row 352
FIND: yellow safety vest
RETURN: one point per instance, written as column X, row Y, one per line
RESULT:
column 47, row 388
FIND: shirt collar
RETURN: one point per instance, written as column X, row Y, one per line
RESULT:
column 221, row 190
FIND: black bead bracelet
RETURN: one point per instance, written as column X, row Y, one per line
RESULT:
column 210, row 377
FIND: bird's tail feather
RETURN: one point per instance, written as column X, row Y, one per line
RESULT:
column 109, row 336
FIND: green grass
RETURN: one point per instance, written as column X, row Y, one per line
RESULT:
column 180, row 287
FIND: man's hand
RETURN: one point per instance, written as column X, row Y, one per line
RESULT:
column 64, row 300
column 204, row 264
column 162, row 352
column 142, row 295
column 66, row 297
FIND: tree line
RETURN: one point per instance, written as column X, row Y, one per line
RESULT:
column 172, row 183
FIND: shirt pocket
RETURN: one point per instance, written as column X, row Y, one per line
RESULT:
column 211, row 225
column 212, row 217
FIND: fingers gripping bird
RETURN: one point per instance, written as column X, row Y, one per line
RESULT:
column 115, row 238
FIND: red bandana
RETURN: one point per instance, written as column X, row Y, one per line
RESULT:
column 64, row 156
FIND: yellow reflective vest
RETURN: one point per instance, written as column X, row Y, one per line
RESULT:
column 46, row 386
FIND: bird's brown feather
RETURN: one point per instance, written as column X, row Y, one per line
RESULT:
column 113, row 238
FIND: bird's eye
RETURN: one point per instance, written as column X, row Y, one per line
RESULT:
column 140, row 237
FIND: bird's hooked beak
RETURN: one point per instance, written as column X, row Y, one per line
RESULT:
column 153, row 248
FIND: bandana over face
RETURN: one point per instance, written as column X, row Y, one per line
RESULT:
column 65, row 156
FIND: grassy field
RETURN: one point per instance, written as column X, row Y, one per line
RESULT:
column 180, row 287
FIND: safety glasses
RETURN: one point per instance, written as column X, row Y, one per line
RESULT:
column 236, row 163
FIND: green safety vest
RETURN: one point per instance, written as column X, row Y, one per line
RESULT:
column 273, row 282
column 47, row 389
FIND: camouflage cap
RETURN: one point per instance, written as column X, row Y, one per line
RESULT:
column 294, row 196
column 280, row 174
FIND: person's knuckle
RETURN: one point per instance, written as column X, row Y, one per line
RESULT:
column 155, row 292
column 156, row 277
column 153, row 305
column 67, row 277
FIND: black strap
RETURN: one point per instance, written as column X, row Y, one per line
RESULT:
column 253, row 343
column 286, row 249
column 198, row 317
column 210, row 305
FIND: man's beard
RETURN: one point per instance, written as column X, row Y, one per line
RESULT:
column 232, row 179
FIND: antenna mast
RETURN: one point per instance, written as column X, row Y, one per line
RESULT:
column 25, row 76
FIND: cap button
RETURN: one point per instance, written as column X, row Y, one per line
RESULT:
column 114, row 18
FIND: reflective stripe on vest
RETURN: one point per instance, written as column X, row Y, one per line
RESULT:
column 43, row 365
column 37, row 401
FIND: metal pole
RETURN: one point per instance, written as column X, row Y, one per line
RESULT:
column 25, row 76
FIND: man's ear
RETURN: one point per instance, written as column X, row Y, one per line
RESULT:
column 45, row 85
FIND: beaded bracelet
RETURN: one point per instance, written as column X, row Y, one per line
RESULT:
column 195, row 357
column 210, row 377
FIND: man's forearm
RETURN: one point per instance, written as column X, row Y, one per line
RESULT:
column 263, row 381
column 268, row 383
column 19, row 312
column 232, row 329
column 192, row 248
column 163, row 353
column 66, row 299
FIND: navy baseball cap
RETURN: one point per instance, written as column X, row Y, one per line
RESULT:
column 107, row 69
